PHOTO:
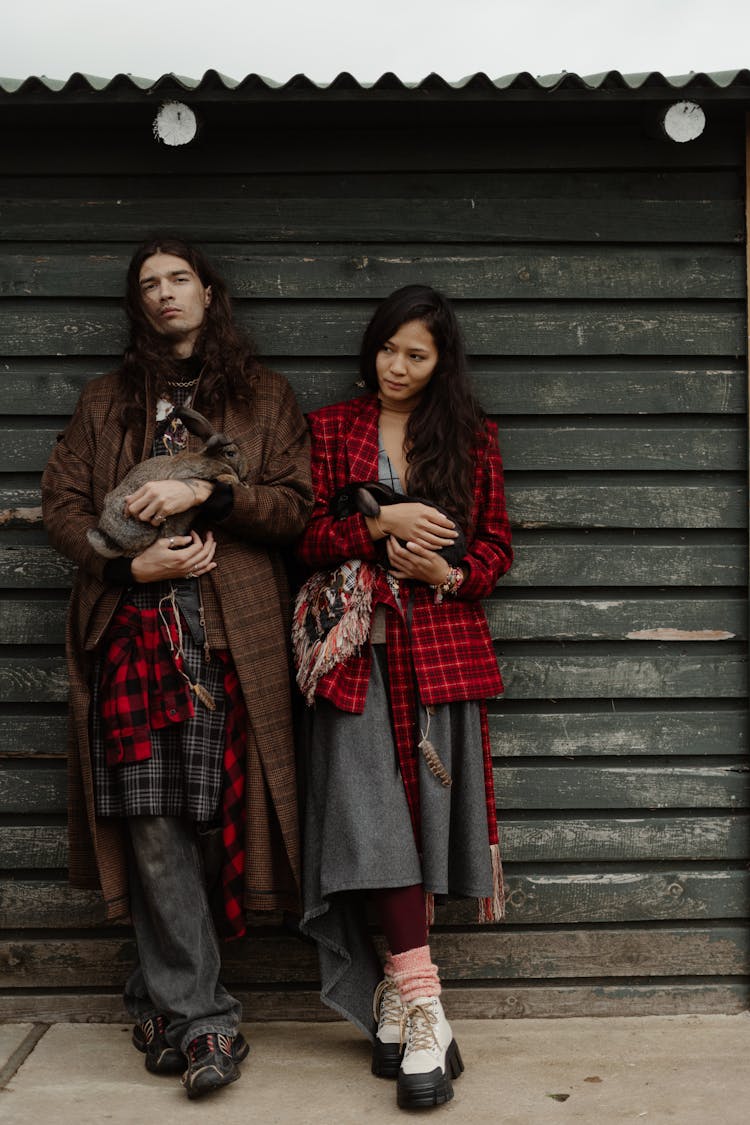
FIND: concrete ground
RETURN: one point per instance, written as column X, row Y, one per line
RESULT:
column 691, row 1070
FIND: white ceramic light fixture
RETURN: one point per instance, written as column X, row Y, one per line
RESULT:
column 175, row 124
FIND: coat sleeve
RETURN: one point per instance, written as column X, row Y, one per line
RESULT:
column 275, row 508
column 67, row 492
column 490, row 553
column 327, row 540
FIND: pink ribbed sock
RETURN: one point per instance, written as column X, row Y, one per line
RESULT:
column 414, row 974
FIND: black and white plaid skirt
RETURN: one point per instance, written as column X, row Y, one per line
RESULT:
column 183, row 776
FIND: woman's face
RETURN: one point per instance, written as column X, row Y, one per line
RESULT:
column 405, row 363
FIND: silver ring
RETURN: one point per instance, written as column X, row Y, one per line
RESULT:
column 171, row 541
column 191, row 574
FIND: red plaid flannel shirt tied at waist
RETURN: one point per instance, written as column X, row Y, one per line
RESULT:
column 142, row 687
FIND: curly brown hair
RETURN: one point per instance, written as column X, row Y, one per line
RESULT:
column 226, row 351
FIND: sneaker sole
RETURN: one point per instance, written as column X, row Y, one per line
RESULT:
column 198, row 1090
column 173, row 1061
column 419, row 1091
column 386, row 1059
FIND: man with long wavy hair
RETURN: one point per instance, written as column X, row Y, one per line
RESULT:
column 182, row 805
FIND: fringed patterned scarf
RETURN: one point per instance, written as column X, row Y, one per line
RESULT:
column 331, row 620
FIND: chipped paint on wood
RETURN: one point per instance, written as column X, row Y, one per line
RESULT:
column 679, row 635
column 20, row 515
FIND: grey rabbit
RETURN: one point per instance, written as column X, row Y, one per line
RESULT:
column 219, row 459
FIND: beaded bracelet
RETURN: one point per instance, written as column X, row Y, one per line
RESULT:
column 452, row 582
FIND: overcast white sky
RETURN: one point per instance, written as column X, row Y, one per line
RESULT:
column 321, row 38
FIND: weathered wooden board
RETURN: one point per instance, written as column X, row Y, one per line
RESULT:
column 42, row 621
column 575, row 445
column 340, row 144
column 566, row 896
column 41, row 679
column 573, row 786
column 618, row 732
column 627, row 729
column 320, row 328
column 549, row 560
column 32, row 567
column 562, row 894
column 368, row 269
column 39, row 789
column 532, row 838
column 381, row 183
column 590, row 559
column 31, row 846
column 506, row 385
column 578, row 672
column 30, row 788
column 606, row 618
column 41, row 734
column 540, row 560
column 499, row 955
column 45, row 903
column 588, row 216
column 629, row 837
column 516, row 1002
column 573, row 672
column 578, row 501
column 578, row 445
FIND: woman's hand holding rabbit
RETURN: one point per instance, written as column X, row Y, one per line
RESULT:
column 415, row 522
column 178, row 556
column 416, row 562
column 154, row 501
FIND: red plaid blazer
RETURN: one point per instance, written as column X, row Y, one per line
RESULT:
column 451, row 645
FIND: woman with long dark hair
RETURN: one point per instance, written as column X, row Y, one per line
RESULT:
column 395, row 658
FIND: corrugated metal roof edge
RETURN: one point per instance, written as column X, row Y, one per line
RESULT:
column 345, row 83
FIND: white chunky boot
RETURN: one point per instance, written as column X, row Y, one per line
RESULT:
column 431, row 1057
column 389, row 1011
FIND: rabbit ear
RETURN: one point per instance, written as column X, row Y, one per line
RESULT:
column 195, row 422
column 216, row 445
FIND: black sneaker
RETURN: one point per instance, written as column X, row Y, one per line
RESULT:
column 149, row 1038
column 211, row 1064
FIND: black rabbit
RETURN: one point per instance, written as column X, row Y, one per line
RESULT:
column 368, row 497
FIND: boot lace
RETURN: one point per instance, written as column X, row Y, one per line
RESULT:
column 386, row 1005
column 420, row 1034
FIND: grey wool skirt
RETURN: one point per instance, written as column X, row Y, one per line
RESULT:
column 358, row 834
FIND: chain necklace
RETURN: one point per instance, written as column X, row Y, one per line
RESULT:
column 184, row 383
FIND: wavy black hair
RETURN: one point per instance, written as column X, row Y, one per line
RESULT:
column 442, row 431
column 227, row 352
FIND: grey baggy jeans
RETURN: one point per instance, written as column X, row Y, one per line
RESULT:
column 178, row 949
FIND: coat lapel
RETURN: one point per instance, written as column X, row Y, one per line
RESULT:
column 362, row 442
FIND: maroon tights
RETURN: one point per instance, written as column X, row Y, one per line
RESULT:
column 402, row 916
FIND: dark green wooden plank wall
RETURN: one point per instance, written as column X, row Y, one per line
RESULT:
column 600, row 275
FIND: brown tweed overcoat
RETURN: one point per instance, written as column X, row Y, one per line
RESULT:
column 92, row 456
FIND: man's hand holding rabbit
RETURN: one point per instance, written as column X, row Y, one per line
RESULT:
column 175, row 557
column 154, row 501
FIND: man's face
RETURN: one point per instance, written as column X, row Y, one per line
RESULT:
column 174, row 300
